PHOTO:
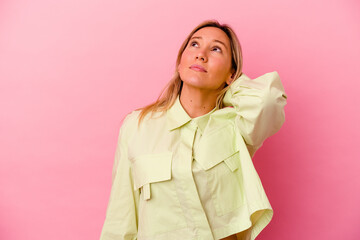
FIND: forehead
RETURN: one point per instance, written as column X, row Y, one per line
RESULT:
column 212, row 33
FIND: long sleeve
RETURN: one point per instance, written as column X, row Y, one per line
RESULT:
column 121, row 215
column 259, row 104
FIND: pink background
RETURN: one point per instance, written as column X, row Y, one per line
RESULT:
column 71, row 70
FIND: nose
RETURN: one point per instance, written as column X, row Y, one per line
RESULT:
column 201, row 56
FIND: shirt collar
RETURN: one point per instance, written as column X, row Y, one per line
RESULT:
column 177, row 117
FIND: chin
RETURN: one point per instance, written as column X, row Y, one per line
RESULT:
column 192, row 79
column 195, row 82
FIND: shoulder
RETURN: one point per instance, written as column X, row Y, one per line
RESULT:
column 225, row 113
column 131, row 120
column 128, row 123
column 131, row 117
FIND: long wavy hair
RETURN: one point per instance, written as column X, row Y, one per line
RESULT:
column 170, row 92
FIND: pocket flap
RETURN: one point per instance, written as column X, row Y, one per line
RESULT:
column 218, row 146
column 233, row 161
column 150, row 168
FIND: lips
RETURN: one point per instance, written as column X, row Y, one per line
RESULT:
column 198, row 68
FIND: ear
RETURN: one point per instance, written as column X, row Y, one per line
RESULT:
column 230, row 78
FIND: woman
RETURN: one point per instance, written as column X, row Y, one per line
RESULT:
column 183, row 167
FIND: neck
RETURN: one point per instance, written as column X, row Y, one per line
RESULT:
column 197, row 102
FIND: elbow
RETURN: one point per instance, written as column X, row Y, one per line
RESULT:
column 273, row 108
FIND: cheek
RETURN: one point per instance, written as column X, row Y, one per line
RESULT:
column 183, row 61
column 220, row 66
column 185, row 56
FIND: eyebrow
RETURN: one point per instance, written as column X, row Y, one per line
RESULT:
column 214, row 41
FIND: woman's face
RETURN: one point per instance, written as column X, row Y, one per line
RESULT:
column 206, row 60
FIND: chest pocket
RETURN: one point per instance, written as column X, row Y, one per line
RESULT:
column 219, row 146
column 219, row 155
column 151, row 168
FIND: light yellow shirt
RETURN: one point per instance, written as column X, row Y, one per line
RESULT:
column 183, row 178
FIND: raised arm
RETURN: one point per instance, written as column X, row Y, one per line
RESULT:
column 121, row 214
column 259, row 104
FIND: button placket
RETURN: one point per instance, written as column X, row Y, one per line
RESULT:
column 194, row 210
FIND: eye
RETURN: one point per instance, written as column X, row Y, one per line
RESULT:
column 194, row 44
column 217, row 49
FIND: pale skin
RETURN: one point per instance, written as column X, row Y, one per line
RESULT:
column 210, row 48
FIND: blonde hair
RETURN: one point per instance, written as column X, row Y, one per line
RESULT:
column 170, row 92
